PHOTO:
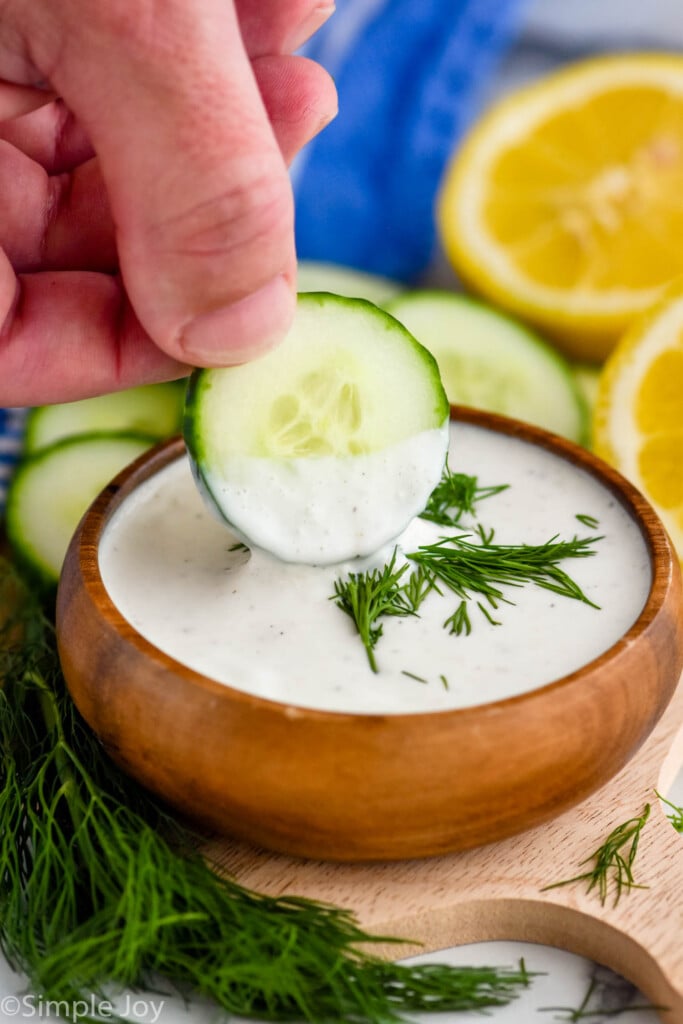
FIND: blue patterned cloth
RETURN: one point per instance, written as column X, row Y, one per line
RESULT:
column 11, row 432
column 410, row 76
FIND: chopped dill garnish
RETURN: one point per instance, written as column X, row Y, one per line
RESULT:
column 367, row 596
column 467, row 569
column 417, row 586
column 239, row 546
column 421, row 679
column 411, row 675
column 590, row 521
column 610, row 863
column 454, row 496
column 101, row 887
column 676, row 816
column 459, row 622
column 485, row 536
column 487, row 614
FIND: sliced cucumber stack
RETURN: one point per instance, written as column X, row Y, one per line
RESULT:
column 327, row 446
column 347, row 281
column 489, row 361
column 51, row 490
column 154, row 410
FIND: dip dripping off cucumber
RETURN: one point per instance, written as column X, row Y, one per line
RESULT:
column 326, row 447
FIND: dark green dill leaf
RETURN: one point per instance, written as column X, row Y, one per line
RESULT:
column 487, row 614
column 485, row 536
column 459, row 622
column 367, row 596
column 454, row 496
column 418, row 585
column 610, row 863
column 590, row 521
column 411, row 675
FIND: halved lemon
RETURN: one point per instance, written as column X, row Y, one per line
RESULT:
column 565, row 203
column 638, row 418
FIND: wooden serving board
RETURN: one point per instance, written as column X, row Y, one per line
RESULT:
column 495, row 892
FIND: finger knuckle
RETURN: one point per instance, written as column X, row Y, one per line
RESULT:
column 256, row 212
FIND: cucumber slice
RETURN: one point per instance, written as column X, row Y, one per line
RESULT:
column 489, row 361
column 154, row 410
column 587, row 379
column 354, row 284
column 324, row 448
column 51, row 490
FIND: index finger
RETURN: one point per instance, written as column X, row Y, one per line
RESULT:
column 270, row 27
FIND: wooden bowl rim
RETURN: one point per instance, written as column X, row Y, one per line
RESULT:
column 88, row 536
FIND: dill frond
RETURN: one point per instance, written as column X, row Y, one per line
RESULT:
column 367, row 596
column 456, row 495
column 612, row 861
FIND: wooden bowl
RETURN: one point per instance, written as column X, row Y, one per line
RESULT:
column 366, row 787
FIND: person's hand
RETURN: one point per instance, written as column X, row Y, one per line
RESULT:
column 147, row 215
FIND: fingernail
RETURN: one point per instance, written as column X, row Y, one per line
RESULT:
column 243, row 330
column 308, row 27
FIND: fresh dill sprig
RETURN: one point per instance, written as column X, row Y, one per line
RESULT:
column 469, row 569
column 367, row 596
column 676, row 816
column 610, row 864
column 454, row 496
column 100, row 886
column 590, row 521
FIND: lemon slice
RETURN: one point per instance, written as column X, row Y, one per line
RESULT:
column 565, row 204
column 638, row 420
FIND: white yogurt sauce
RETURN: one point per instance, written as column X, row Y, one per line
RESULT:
column 328, row 508
column 270, row 628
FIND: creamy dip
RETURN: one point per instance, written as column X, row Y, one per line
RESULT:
column 267, row 627
column 328, row 508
